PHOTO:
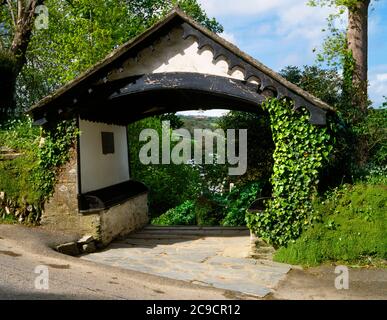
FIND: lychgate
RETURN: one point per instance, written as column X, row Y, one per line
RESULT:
column 174, row 66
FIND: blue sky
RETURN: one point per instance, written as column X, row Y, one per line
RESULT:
column 285, row 32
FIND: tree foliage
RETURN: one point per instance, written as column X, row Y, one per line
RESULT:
column 322, row 83
column 348, row 49
column 16, row 24
column 260, row 146
column 82, row 32
column 152, row 10
column 170, row 185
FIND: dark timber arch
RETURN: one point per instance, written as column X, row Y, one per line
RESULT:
column 137, row 97
column 142, row 96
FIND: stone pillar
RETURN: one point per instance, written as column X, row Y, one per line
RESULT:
column 61, row 212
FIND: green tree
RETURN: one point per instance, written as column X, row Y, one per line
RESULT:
column 322, row 83
column 80, row 33
column 327, row 85
column 350, row 46
column 16, row 27
column 170, row 185
column 260, row 146
column 349, row 49
column 153, row 10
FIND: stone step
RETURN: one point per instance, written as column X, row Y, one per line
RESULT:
column 263, row 257
column 145, row 243
column 186, row 234
column 163, row 236
column 263, row 250
column 198, row 231
column 152, row 227
column 189, row 235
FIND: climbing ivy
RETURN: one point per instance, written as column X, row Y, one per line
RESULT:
column 300, row 151
column 54, row 153
column 347, row 108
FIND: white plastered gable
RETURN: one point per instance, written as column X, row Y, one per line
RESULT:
column 172, row 53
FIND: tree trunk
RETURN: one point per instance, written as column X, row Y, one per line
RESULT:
column 357, row 37
column 8, row 76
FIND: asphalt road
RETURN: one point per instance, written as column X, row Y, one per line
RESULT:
column 23, row 249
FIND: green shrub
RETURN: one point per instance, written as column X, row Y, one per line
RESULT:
column 228, row 209
column 169, row 185
column 208, row 212
column 7, row 218
column 179, row 216
column 373, row 131
column 18, row 179
column 353, row 229
column 260, row 147
column 237, row 202
column 373, row 174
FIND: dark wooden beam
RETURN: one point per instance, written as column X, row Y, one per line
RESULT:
column 127, row 100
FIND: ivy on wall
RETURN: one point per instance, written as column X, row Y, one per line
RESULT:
column 300, row 151
column 54, row 153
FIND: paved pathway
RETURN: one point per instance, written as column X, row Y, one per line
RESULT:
column 23, row 249
column 211, row 257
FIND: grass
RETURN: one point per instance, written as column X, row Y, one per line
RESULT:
column 353, row 230
column 16, row 176
column 8, row 219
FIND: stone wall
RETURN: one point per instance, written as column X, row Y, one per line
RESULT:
column 61, row 212
column 124, row 219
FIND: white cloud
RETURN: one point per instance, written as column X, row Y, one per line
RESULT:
column 230, row 37
column 378, row 84
column 207, row 113
column 381, row 77
column 300, row 22
column 290, row 11
column 278, row 23
column 284, row 32
column 292, row 59
column 243, row 7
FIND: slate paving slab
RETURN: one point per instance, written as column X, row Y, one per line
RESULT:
column 216, row 261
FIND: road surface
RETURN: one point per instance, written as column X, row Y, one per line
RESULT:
column 23, row 249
